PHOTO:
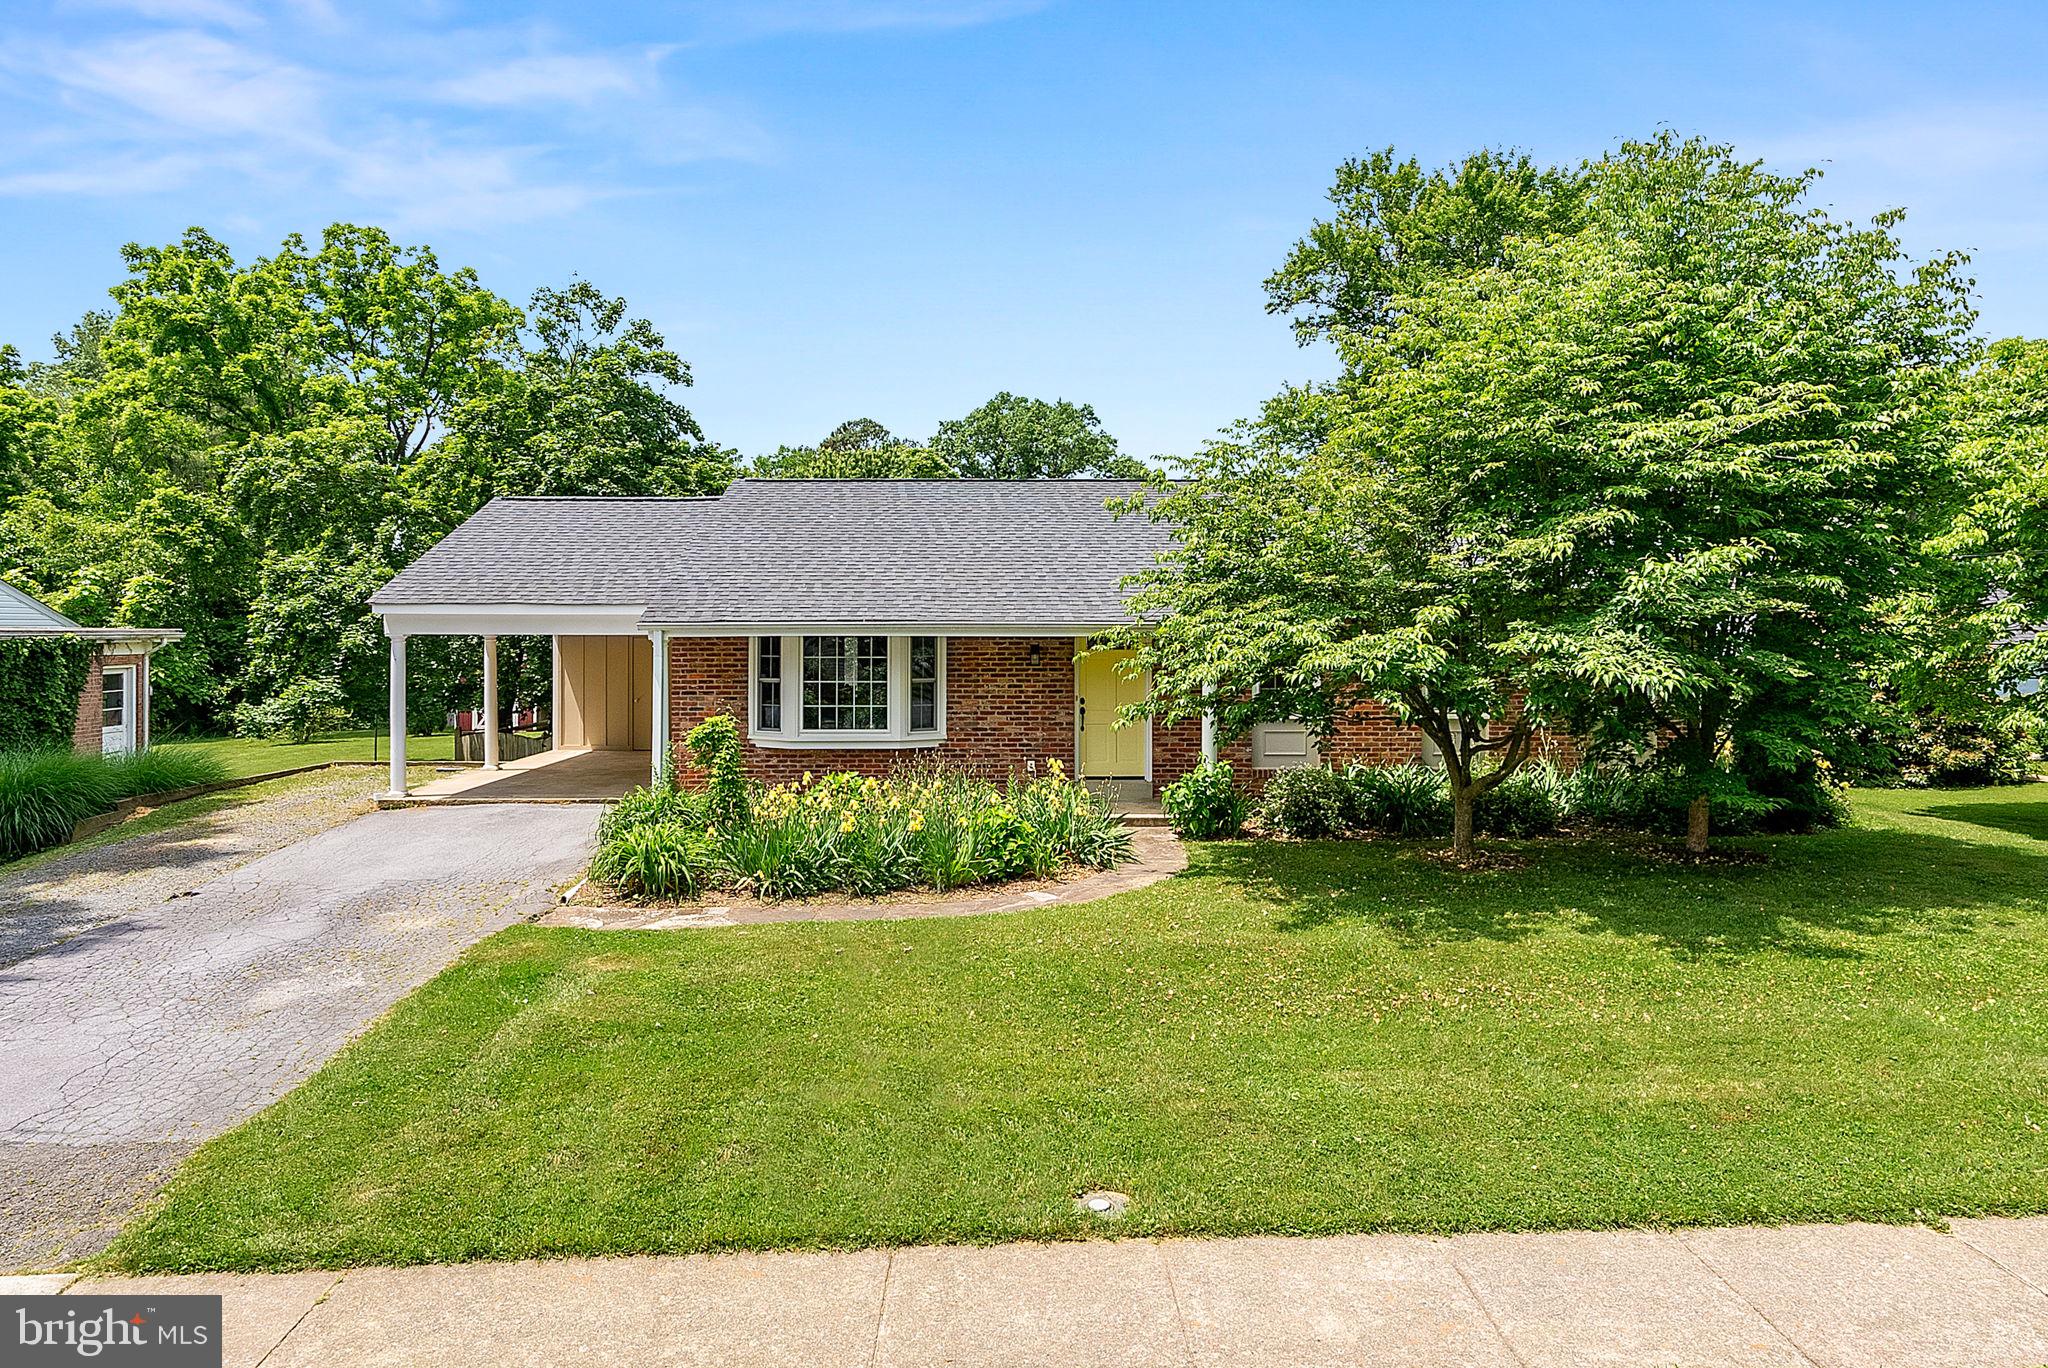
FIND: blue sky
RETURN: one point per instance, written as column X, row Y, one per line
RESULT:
column 895, row 208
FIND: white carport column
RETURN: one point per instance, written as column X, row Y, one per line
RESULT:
column 490, row 703
column 398, row 714
column 660, row 728
column 554, row 692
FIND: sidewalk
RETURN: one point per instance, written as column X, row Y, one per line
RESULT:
column 1857, row 1296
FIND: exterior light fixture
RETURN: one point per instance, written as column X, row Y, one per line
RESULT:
column 1035, row 654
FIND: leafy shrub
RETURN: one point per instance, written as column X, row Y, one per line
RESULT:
column 657, row 860
column 923, row 827
column 1533, row 801
column 1935, row 752
column 715, row 745
column 1205, row 804
column 298, row 712
column 45, row 793
column 40, row 680
column 1639, row 798
column 164, row 769
column 664, row 802
column 1312, row 802
column 1398, row 800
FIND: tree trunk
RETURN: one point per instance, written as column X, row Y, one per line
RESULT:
column 1462, row 802
column 1696, row 826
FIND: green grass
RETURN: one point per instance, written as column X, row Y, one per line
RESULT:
column 244, row 757
column 1288, row 1038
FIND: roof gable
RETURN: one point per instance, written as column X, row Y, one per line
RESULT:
column 23, row 613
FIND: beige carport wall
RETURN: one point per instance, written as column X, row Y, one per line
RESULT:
column 594, row 646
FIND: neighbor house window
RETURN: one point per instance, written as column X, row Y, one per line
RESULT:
column 768, row 685
column 851, row 689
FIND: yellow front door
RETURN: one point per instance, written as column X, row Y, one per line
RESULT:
column 1109, row 751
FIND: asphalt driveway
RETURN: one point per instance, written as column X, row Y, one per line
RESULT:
column 144, row 1010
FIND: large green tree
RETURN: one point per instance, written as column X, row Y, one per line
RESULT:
column 1653, row 478
column 1016, row 438
column 1397, row 226
column 858, row 449
column 247, row 450
column 1982, row 623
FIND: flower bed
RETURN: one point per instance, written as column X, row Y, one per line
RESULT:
column 923, row 827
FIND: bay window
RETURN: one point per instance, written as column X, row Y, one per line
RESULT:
column 848, row 689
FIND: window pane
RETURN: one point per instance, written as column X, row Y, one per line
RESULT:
column 846, row 683
column 113, row 698
column 924, row 683
column 769, row 703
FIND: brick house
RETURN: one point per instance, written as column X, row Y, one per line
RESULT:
column 846, row 624
column 113, row 707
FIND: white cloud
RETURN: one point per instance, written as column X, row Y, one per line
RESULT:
column 737, row 20
column 193, row 81
column 279, row 114
column 120, row 176
column 223, row 13
column 1951, row 142
column 551, row 79
column 426, row 183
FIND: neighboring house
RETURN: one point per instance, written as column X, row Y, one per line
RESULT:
column 846, row 624
column 113, row 707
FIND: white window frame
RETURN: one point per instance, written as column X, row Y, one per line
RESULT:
column 792, row 735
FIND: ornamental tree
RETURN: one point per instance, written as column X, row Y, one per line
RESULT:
column 1651, row 479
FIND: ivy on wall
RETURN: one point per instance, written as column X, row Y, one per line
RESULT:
column 40, row 680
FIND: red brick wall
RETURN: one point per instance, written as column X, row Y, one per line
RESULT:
column 85, row 735
column 1002, row 712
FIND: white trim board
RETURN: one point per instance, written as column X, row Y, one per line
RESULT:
column 511, row 620
column 942, row 629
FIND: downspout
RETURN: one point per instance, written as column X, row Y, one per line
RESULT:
column 1208, row 729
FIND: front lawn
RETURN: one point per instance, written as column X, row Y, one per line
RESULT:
column 1292, row 1038
column 247, row 756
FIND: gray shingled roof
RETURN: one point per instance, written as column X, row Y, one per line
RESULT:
column 1023, row 553
column 604, row 551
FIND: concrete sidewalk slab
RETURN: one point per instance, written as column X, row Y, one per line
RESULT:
column 732, row 1310
column 1363, row 1301
column 2018, row 1247
column 257, row 1309
column 1861, row 1295
column 1577, row 1299
column 1108, row 1305
column 1857, row 1296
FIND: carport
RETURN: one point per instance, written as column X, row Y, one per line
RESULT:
column 580, row 572
column 606, row 727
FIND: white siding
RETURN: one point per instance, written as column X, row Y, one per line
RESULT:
column 20, row 612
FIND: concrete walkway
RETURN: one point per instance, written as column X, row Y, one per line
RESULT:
column 142, row 1015
column 1858, row 1296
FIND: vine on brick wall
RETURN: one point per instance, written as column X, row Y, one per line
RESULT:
column 40, row 680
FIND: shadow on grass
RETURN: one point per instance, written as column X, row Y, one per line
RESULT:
column 2020, row 818
column 1811, row 896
